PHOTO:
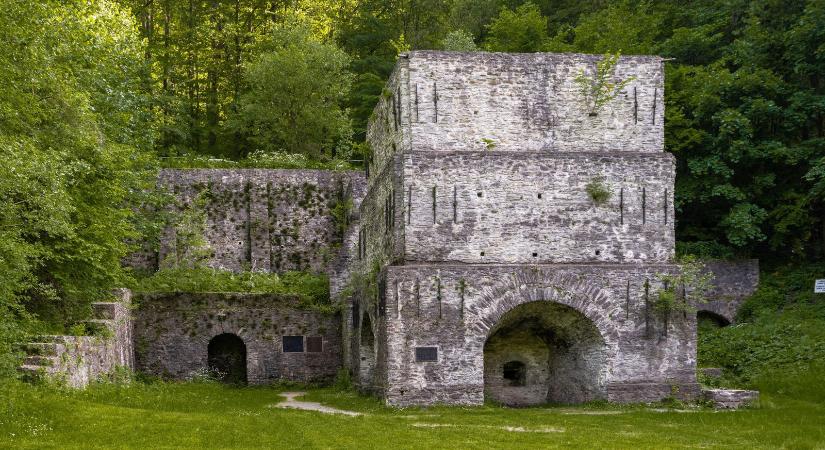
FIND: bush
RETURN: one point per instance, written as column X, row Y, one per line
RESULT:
column 779, row 337
column 311, row 289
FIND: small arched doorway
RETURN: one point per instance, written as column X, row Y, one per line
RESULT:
column 366, row 354
column 708, row 320
column 227, row 358
column 544, row 352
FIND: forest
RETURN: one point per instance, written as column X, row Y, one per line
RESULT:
column 97, row 95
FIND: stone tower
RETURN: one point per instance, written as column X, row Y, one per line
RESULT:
column 511, row 237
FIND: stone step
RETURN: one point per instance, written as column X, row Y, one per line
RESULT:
column 730, row 398
column 99, row 327
column 104, row 310
column 32, row 373
column 40, row 361
column 41, row 348
column 49, row 338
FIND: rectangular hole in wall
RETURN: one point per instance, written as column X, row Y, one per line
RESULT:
column 293, row 344
column 315, row 344
column 426, row 354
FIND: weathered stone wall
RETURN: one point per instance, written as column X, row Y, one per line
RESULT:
column 455, row 308
column 173, row 330
column 452, row 101
column 486, row 161
column 499, row 207
column 79, row 360
column 733, row 282
column 271, row 220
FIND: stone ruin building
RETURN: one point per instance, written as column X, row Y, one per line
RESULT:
column 505, row 243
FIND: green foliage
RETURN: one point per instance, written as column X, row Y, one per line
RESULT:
column 779, row 334
column 599, row 88
column 311, row 289
column 295, row 92
column 489, row 144
column 192, row 250
column 704, row 250
column 459, row 41
column 185, row 415
column 75, row 135
column 598, row 191
column 684, row 290
column 255, row 160
column 521, row 30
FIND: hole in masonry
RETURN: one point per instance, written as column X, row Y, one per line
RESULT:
column 539, row 194
column 598, row 252
column 478, row 194
column 535, row 254
column 482, row 253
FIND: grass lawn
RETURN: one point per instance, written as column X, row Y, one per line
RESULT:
column 205, row 415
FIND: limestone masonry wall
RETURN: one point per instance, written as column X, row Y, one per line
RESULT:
column 455, row 307
column 263, row 219
column 173, row 331
column 499, row 207
column 453, row 101
column 733, row 281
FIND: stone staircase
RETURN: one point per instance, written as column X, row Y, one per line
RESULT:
column 77, row 360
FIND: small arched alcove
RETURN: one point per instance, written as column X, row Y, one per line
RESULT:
column 366, row 353
column 710, row 320
column 544, row 352
column 227, row 358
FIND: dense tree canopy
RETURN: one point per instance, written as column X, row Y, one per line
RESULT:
column 74, row 137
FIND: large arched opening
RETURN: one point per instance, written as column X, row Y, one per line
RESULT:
column 544, row 352
column 366, row 353
column 227, row 358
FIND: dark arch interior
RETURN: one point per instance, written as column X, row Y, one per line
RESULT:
column 708, row 319
column 227, row 358
column 366, row 353
column 544, row 352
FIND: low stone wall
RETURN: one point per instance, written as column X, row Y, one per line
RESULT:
column 733, row 282
column 79, row 360
column 174, row 331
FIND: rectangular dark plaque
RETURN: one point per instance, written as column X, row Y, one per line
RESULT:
column 423, row 354
column 315, row 344
column 293, row 344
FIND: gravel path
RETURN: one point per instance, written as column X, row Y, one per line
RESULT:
column 290, row 402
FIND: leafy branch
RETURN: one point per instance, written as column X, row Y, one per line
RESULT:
column 600, row 88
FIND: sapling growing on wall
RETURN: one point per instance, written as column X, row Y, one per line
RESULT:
column 598, row 191
column 601, row 87
column 682, row 291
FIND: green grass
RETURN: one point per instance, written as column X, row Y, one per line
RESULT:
column 205, row 415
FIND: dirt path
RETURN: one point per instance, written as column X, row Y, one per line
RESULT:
column 290, row 402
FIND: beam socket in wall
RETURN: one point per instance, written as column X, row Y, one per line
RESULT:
column 598, row 252
column 535, row 254
column 482, row 253
column 478, row 194
column 539, row 195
